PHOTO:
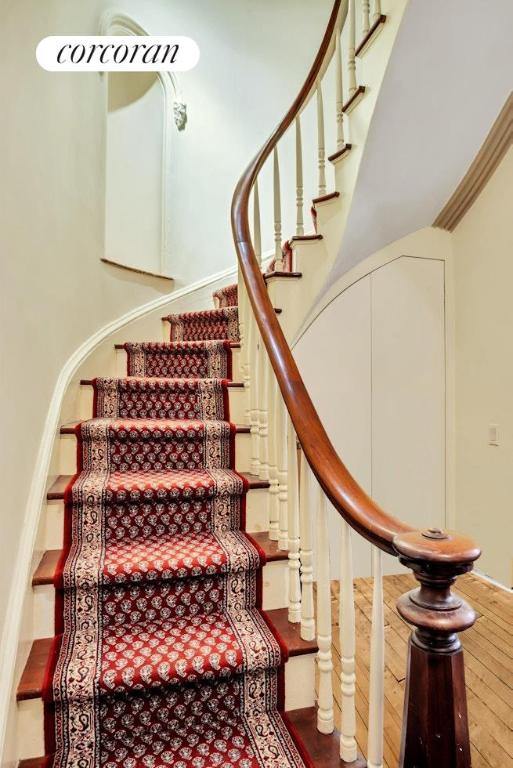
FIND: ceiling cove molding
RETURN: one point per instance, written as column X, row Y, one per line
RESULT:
column 485, row 163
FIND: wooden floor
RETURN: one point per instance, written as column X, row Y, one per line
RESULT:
column 488, row 667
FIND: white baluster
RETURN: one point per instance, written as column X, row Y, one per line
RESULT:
column 300, row 230
column 254, row 397
column 257, row 235
column 282, row 456
column 253, row 351
column 339, row 92
column 263, row 371
column 365, row 17
column 351, row 58
column 294, row 543
column 321, row 141
column 348, row 748
column 377, row 666
column 274, row 502
column 241, row 302
column 245, row 312
column 247, row 372
column 306, row 553
column 325, row 718
column 377, row 11
column 278, row 253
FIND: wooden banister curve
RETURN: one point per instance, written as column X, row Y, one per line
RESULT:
column 351, row 501
column 360, row 511
column 435, row 726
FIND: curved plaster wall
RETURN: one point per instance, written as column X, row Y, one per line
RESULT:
column 448, row 77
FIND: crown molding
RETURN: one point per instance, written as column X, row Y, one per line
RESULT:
column 485, row 163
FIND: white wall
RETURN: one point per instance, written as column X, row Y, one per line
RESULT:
column 134, row 157
column 378, row 384
column 55, row 292
column 483, row 276
column 254, row 58
column 449, row 75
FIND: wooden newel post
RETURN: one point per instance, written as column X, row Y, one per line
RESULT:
column 435, row 725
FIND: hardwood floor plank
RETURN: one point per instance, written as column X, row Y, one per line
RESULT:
column 488, row 659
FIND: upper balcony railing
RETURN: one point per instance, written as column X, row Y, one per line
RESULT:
column 435, row 729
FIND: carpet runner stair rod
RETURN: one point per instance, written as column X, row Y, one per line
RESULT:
column 162, row 653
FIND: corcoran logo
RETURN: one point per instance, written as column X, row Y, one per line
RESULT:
column 104, row 53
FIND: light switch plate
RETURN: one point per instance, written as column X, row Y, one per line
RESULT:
column 493, row 434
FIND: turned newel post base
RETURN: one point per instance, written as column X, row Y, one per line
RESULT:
column 435, row 724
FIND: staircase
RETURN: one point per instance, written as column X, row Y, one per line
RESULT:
column 183, row 605
column 157, row 649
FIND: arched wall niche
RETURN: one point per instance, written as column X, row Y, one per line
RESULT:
column 114, row 22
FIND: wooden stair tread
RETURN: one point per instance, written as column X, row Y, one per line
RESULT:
column 56, row 490
column 325, row 198
column 305, row 238
column 165, row 320
column 32, row 679
column 254, row 481
column 269, row 276
column 69, row 429
column 36, row 762
column 290, row 633
column 270, row 547
column 323, row 749
column 45, row 571
column 90, row 382
column 339, row 153
column 233, row 344
column 356, row 95
column 370, row 34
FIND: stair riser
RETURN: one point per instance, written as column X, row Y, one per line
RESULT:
column 328, row 223
column 299, row 692
column 275, row 583
column 309, row 258
column 31, row 742
column 300, row 682
column 257, row 517
column 68, row 453
column 121, row 362
column 237, row 399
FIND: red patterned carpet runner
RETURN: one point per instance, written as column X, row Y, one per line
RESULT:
column 186, row 359
column 209, row 324
column 163, row 656
column 227, row 296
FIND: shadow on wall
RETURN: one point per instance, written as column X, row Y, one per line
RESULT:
column 134, row 170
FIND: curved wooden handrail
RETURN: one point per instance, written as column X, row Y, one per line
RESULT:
column 351, row 501
column 360, row 511
column 435, row 681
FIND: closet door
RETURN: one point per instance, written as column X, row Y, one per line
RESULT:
column 408, row 391
column 335, row 363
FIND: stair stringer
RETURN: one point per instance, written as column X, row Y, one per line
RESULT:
column 314, row 259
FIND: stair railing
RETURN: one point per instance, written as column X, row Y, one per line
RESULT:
column 283, row 417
